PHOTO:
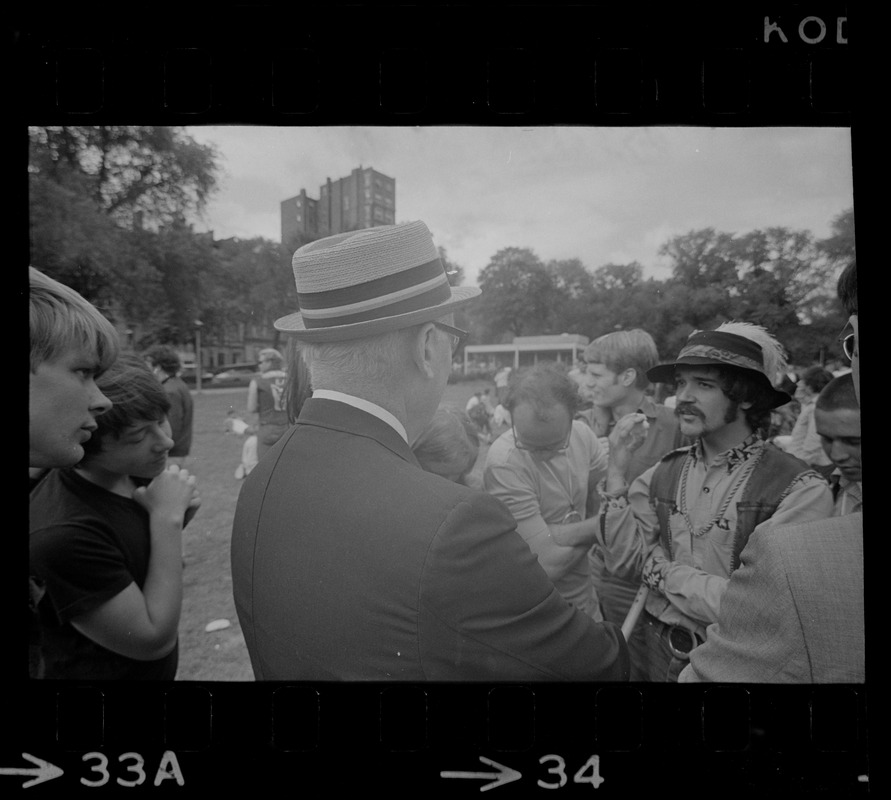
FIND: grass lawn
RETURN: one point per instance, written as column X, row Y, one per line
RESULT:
column 221, row 655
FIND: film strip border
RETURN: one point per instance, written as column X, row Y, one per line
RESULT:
column 773, row 65
column 444, row 64
column 785, row 738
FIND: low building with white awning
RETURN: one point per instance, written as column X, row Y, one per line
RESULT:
column 524, row 351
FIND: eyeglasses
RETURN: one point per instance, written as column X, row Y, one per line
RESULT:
column 849, row 341
column 548, row 448
column 455, row 334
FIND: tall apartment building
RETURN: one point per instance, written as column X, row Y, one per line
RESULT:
column 363, row 199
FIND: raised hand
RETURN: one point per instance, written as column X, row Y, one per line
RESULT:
column 172, row 492
column 627, row 436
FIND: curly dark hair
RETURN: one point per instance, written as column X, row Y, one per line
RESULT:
column 542, row 386
column 746, row 386
column 165, row 357
column 847, row 287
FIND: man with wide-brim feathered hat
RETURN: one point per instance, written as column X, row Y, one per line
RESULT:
column 681, row 525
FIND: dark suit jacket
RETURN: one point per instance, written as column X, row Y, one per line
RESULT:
column 349, row 562
column 793, row 611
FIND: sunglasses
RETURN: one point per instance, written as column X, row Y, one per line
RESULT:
column 456, row 335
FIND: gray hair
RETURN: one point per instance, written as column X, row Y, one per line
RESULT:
column 376, row 358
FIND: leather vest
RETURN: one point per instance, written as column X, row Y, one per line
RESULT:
column 761, row 495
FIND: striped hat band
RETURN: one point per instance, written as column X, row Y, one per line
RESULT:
column 375, row 280
column 715, row 348
column 412, row 289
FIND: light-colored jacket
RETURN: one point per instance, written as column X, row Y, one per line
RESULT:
column 793, row 611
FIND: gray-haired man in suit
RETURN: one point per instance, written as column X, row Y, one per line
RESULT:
column 349, row 561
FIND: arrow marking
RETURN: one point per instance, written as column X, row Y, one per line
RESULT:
column 44, row 771
column 503, row 776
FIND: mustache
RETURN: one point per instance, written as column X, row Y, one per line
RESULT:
column 687, row 408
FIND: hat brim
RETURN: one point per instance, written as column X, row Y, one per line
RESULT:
column 293, row 324
column 664, row 373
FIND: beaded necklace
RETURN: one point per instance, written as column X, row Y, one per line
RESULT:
column 570, row 492
column 741, row 478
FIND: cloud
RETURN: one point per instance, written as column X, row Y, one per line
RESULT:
column 598, row 194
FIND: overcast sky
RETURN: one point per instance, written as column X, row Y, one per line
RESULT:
column 602, row 195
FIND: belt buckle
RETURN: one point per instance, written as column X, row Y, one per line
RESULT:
column 680, row 642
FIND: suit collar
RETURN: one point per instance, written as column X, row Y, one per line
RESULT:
column 364, row 405
column 339, row 416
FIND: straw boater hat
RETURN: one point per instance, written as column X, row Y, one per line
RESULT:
column 733, row 344
column 370, row 281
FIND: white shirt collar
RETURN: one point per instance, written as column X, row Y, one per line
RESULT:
column 363, row 405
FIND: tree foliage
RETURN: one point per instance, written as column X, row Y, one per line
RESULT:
column 779, row 278
column 74, row 241
column 517, row 295
column 253, row 286
column 573, row 293
column 152, row 174
column 108, row 217
column 108, row 208
column 839, row 248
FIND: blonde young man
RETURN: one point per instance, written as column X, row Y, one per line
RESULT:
column 71, row 344
column 267, row 398
column 616, row 375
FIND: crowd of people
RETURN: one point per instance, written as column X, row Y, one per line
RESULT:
column 570, row 528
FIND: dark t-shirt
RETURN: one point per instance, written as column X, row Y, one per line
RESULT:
column 87, row 545
column 35, row 592
column 271, row 398
column 180, row 415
